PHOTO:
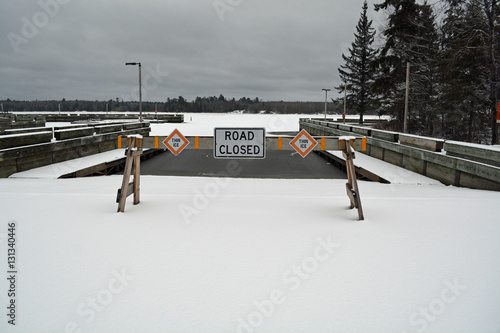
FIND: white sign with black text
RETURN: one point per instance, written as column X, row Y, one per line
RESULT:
column 240, row 143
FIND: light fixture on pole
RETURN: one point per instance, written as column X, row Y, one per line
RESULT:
column 140, row 86
column 326, row 99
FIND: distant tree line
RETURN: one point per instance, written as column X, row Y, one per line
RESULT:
column 212, row 104
column 452, row 49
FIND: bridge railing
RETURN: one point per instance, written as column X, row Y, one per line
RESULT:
column 450, row 162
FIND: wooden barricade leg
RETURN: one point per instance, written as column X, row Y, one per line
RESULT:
column 350, row 177
column 133, row 160
column 352, row 184
column 137, row 179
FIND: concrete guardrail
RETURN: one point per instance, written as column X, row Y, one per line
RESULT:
column 24, row 139
column 450, row 162
column 28, row 130
column 475, row 152
column 21, row 152
column 71, row 133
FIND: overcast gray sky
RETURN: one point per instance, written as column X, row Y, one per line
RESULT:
column 272, row 49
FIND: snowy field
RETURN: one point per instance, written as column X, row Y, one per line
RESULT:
column 203, row 124
column 249, row 255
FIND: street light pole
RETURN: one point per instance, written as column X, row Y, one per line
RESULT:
column 140, row 87
column 326, row 99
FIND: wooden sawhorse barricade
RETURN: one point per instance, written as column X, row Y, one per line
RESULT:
column 135, row 146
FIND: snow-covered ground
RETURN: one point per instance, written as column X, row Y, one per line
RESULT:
column 249, row 255
column 203, row 123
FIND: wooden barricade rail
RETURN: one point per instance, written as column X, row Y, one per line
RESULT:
column 272, row 143
column 134, row 146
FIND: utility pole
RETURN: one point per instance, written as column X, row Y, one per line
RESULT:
column 326, row 100
column 405, row 122
column 497, row 124
column 345, row 102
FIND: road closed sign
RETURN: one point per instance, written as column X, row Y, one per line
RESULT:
column 240, row 143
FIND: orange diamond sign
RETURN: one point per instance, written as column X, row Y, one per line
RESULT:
column 176, row 142
column 303, row 143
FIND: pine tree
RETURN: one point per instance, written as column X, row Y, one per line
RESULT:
column 491, row 9
column 409, row 37
column 392, row 61
column 356, row 74
column 424, row 73
column 465, row 76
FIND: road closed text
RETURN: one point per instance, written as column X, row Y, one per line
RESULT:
column 239, row 143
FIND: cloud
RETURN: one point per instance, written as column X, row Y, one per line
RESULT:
column 279, row 50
